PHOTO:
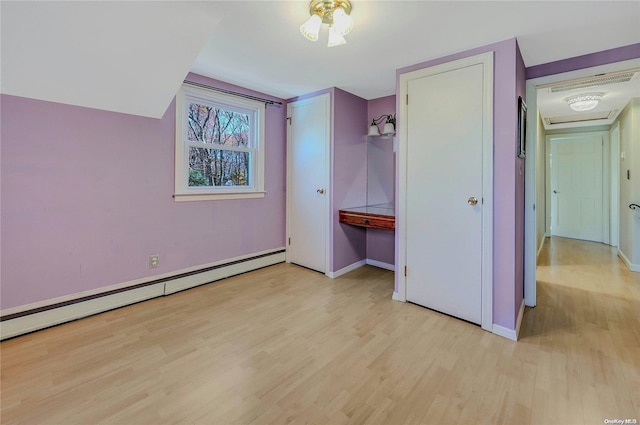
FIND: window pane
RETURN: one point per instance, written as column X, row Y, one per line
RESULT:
column 210, row 124
column 218, row 167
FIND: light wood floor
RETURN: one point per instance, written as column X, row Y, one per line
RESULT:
column 285, row 345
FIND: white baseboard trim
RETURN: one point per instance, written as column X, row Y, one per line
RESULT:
column 396, row 297
column 511, row 334
column 381, row 265
column 625, row 260
column 505, row 332
column 347, row 269
column 519, row 320
column 88, row 303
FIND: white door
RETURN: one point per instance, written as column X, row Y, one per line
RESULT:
column 576, row 187
column 447, row 143
column 308, row 139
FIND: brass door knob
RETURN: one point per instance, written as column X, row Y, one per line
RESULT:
column 472, row 201
column 320, row 191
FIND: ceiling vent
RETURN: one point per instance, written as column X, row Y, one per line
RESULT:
column 594, row 81
column 581, row 118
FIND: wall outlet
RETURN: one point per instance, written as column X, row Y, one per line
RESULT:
column 154, row 260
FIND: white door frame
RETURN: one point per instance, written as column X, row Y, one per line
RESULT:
column 530, row 249
column 486, row 59
column 605, row 177
column 614, row 225
column 326, row 97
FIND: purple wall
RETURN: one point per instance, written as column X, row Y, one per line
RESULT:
column 381, row 243
column 520, row 176
column 349, row 177
column 505, row 232
column 87, row 197
column 585, row 61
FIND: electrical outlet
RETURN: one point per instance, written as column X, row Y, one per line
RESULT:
column 154, row 260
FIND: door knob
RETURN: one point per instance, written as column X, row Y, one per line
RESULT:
column 320, row 191
column 472, row 201
column 555, row 191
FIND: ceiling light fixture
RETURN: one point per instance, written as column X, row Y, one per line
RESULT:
column 335, row 13
column 584, row 102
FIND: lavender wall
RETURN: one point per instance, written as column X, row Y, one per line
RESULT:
column 349, row 176
column 505, row 232
column 87, row 197
column 520, row 176
column 380, row 181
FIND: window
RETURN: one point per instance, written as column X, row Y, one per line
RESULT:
column 219, row 146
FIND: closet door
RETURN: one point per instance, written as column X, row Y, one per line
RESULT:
column 447, row 114
column 308, row 141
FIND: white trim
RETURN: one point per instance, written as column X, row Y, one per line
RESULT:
column 55, row 316
column 628, row 263
column 614, row 157
column 184, row 197
column 486, row 59
column 505, row 332
column 519, row 320
column 396, row 297
column 380, row 264
column 326, row 97
column 530, row 199
column 347, row 269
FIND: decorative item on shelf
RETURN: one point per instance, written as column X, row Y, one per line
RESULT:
column 335, row 13
column 389, row 128
column 584, row 102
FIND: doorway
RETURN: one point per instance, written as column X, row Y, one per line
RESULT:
column 535, row 161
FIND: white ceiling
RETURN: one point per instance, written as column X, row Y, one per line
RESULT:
column 132, row 56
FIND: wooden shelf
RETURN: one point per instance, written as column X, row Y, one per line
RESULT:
column 373, row 216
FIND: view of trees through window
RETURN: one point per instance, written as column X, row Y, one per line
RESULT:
column 224, row 159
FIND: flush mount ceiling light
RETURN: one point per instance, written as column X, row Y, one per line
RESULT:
column 335, row 13
column 584, row 102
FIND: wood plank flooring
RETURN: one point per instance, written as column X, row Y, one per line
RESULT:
column 285, row 345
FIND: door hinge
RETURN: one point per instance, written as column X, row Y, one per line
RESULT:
column 289, row 241
column 407, row 101
column 405, row 271
column 289, row 120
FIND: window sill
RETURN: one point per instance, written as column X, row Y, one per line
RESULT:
column 186, row 197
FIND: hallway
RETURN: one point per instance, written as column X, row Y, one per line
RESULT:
column 587, row 328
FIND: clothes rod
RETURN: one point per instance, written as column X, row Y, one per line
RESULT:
column 267, row 102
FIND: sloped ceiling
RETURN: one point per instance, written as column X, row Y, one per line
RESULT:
column 119, row 56
column 132, row 56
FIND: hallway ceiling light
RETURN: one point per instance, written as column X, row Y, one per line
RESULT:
column 584, row 102
column 335, row 13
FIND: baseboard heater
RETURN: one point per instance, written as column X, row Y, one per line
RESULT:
column 41, row 317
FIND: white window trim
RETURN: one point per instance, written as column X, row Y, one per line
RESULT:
column 182, row 192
